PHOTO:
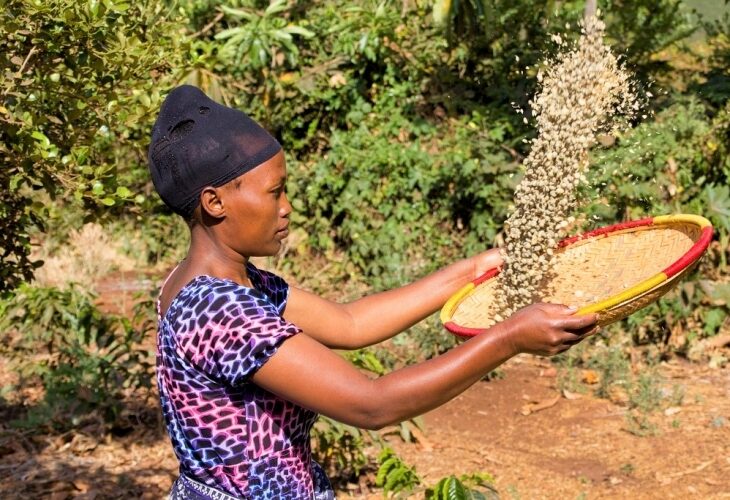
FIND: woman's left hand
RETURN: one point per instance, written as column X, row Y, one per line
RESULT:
column 485, row 261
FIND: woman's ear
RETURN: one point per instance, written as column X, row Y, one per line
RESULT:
column 211, row 203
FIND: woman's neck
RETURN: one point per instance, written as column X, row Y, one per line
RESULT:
column 207, row 255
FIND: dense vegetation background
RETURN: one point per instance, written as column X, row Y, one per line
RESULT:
column 403, row 148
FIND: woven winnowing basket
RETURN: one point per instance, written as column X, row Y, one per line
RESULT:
column 612, row 271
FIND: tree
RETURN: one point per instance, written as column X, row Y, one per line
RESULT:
column 80, row 84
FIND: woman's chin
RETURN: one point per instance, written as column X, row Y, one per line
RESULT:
column 269, row 251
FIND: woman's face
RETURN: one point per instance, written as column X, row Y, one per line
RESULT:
column 257, row 209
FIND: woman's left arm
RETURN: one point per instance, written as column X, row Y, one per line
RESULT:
column 377, row 317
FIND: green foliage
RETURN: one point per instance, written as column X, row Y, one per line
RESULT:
column 80, row 85
column 642, row 29
column 646, row 395
column 661, row 166
column 501, row 42
column 393, row 474
column 478, row 486
column 644, row 399
column 389, row 197
column 715, row 317
column 716, row 88
column 340, row 448
column 85, row 360
column 263, row 38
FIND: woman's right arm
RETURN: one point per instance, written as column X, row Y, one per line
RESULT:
column 307, row 373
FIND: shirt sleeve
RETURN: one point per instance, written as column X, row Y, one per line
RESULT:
column 235, row 330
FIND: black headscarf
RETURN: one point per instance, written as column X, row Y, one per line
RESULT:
column 197, row 142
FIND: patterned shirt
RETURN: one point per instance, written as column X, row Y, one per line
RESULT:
column 227, row 432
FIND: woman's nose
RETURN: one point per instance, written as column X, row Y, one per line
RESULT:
column 286, row 208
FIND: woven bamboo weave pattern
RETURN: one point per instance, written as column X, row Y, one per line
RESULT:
column 591, row 270
column 624, row 309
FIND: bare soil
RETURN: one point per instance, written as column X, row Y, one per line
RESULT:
column 581, row 448
column 537, row 441
column 572, row 448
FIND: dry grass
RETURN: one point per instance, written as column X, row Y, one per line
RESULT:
column 89, row 254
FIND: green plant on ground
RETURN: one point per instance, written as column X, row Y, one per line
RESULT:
column 568, row 368
column 640, row 424
column 393, row 474
column 262, row 38
column 645, row 397
column 477, row 486
column 86, row 361
column 341, row 449
column 628, row 468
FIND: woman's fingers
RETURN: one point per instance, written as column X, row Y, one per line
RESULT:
column 586, row 331
column 578, row 322
column 578, row 336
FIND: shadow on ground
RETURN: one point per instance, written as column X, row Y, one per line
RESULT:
column 131, row 459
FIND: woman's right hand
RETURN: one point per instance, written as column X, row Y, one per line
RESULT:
column 548, row 329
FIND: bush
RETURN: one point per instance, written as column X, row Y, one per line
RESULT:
column 398, row 195
column 85, row 360
column 80, row 85
column 478, row 486
column 661, row 166
column 394, row 475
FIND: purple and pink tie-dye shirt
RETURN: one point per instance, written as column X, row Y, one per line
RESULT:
column 227, row 432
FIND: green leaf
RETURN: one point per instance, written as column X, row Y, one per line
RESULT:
column 238, row 13
column 281, row 35
column 455, row 490
column 718, row 204
column 108, row 201
column 230, row 32
column 275, row 7
column 41, row 137
column 298, row 30
column 713, row 320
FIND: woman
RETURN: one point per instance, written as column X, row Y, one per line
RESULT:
column 245, row 362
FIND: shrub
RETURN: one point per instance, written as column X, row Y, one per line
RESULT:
column 80, row 84
column 478, row 486
column 394, row 475
column 84, row 359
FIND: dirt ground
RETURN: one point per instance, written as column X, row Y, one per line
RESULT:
column 537, row 441
column 581, row 448
column 564, row 448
